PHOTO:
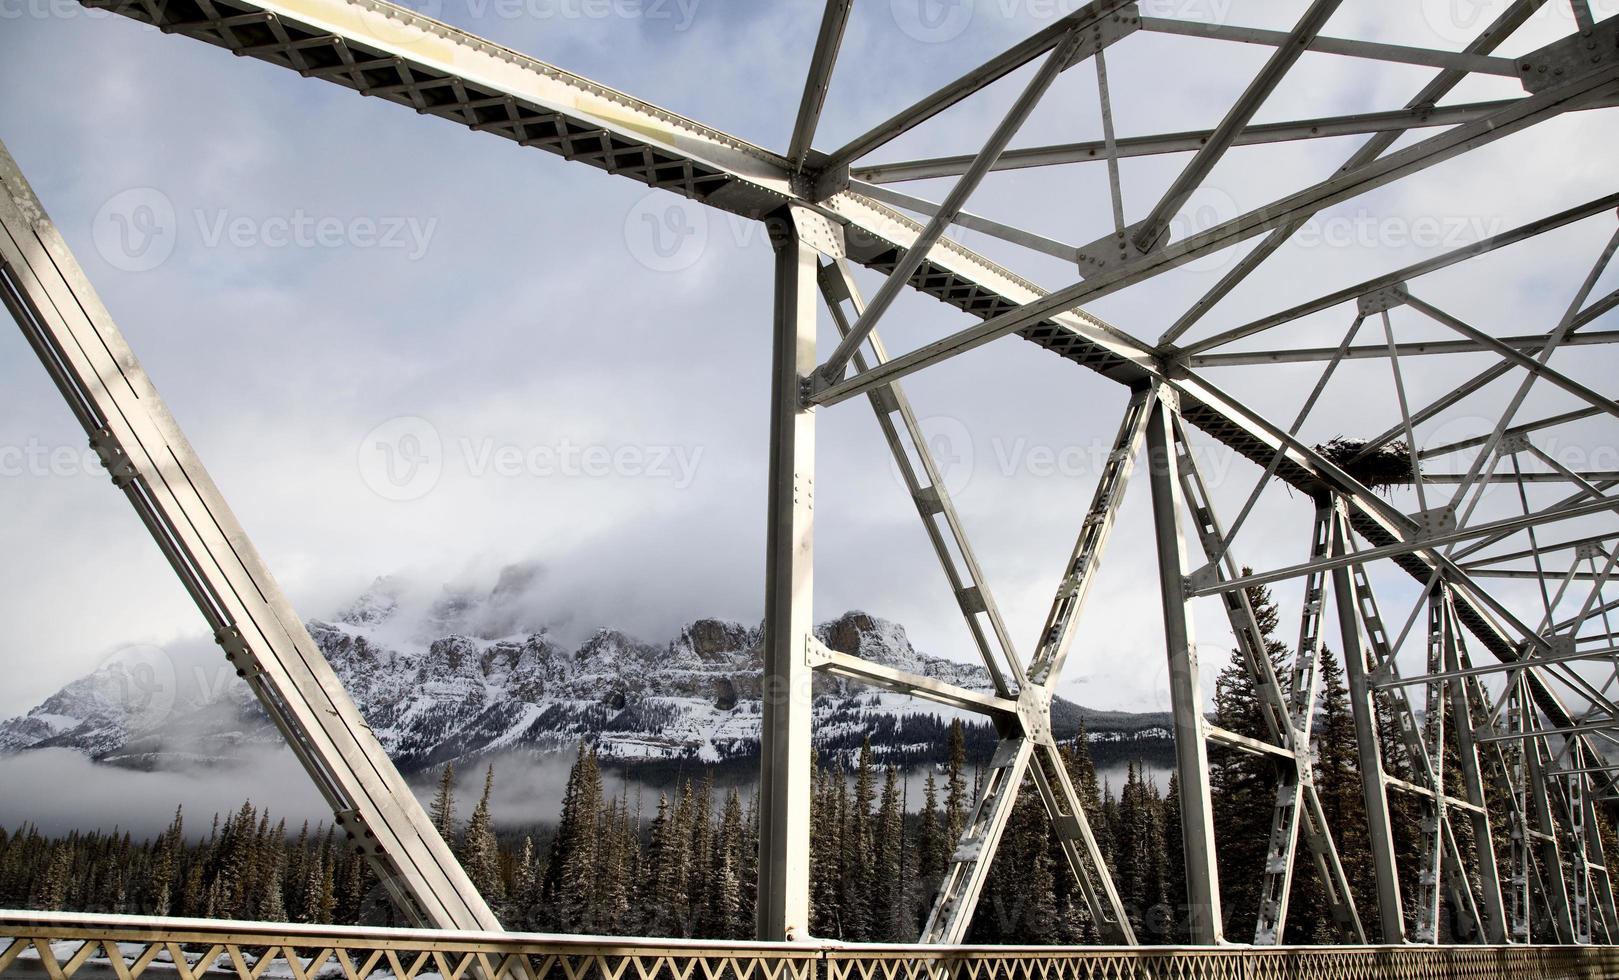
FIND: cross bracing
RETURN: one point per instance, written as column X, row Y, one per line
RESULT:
column 1535, row 724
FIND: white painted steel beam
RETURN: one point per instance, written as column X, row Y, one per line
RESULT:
column 153, row 464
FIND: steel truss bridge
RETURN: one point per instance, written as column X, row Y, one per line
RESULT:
column 1526, row 676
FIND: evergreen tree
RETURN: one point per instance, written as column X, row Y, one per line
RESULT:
column 480, row 854
column 271, row 902
column 826, row 853
column 567, row 890
column 700, row 866
column 319, row 900
column 1244, row 785
column 931, row 849
column 729, row 921
column 51, row 893
column 889, row 865
column 1338, row 784
column 166, row 866
column 665, row 883
column 955, row 786
column 525, row 888
column 618, row 866
column 856, row 898
column 1171, row 926
column 442, row 811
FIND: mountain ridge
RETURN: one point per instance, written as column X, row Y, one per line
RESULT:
column 470, row 678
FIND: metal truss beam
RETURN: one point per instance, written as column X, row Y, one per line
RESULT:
column 1289, row 48
column 1461, row 61
column 1087, row 18
column 1568, row 512
column 789, row 626
column 1255, row 134
column 969, row 866
column 732, row 175
column 1369, row 152
column 1343, row 186
column 1487, row 669
column 153, row 464
column 383, row 50
column 1205, row 922
column 1424, row 747
column 1197, row 353
column 1287, row 719
column 827, row 42
column 1528, row 343
column 914, row 256
column 905, row 682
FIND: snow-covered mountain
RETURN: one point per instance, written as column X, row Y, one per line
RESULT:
column 467, row 679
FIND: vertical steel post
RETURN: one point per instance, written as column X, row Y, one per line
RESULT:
column 1379, row 828
column 1186, row 699
column 1489, row 878
column 1518, row 776
column 1551, row 854
column 784, row 758
column 1431, row 877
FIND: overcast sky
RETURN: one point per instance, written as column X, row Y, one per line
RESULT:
column 502, row 301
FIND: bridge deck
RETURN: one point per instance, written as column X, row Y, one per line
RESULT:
column 64, row 945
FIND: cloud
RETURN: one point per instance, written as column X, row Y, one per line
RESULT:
column 531, row 322
column 60, row 790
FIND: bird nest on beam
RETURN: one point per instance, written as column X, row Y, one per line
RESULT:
column 1386, row 466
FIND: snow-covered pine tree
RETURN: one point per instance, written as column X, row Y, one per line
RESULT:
column 480, row 853
column 570, row 874
column 442, row 810
column 891, row 921
column 1244, row 785
column 730, row 858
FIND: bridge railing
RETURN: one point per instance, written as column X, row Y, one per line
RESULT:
column 59, row 946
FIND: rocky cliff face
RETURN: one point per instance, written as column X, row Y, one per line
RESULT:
column 442, row 687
